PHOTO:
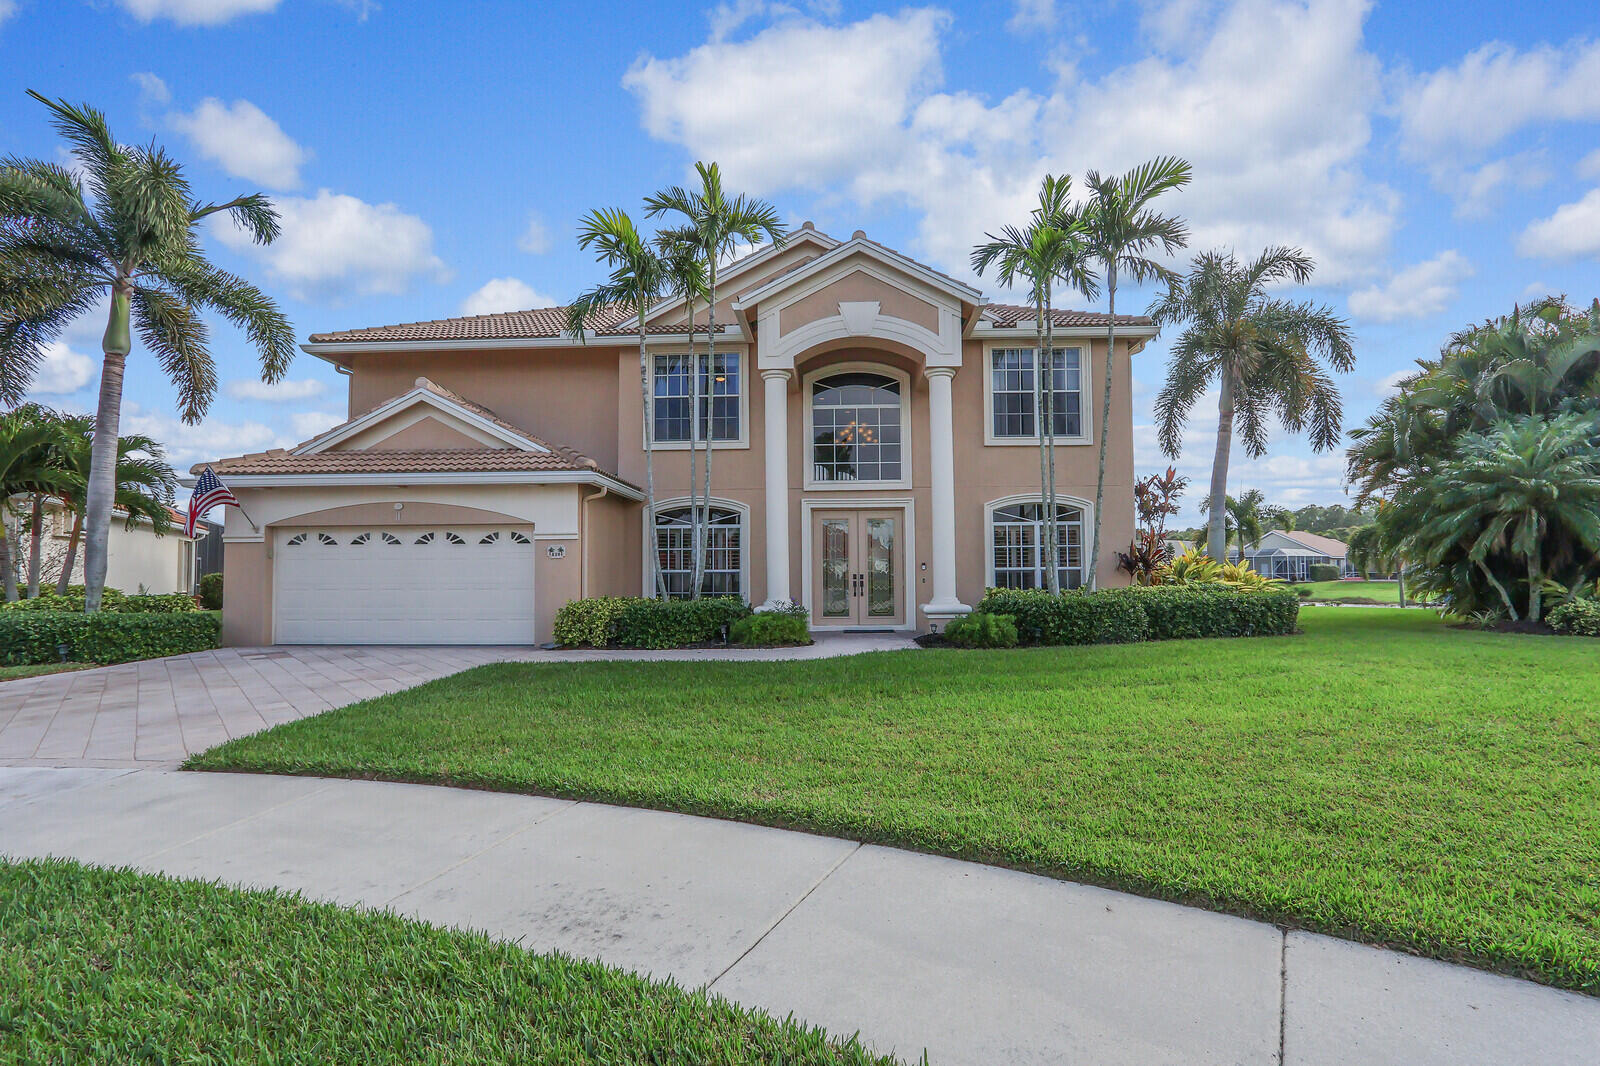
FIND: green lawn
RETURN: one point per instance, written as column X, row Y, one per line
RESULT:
column 1381, row 776
column 1353, row 591
column 7, row 673
column 111, row 967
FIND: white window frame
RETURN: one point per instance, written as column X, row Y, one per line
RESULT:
column 647, row 581
column 745, row 369
column 1085, row 532
column 811, row 484
column 1085, row 394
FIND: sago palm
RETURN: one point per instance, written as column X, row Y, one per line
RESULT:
column 127, row 230
column 638, row 278
column 712, row 223
column 1123, row 234
column 1051, row 248
column 145, row 483
column 1265, row 353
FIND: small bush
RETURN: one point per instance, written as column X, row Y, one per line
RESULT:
column 110, row 600
column 28, row 637
column 211, row 591
column 1070, row 618
column 163, row 603
column 1579, row 618
column 1322, row 572
column 636, row 622
column 980, row 629
column 770, row 629
column 1303, row 593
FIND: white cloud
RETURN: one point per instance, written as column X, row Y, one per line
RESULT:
column 244, row 141
column 308, row 424
column 1390, row 383
column 504, row 294
column 1031, row 15
column 1420, row 290
column 152, row 90
column 213, row 438
column 196, row 12
column 62, row 370
column 1269, row 100
column 535, row 240
column 1589, row 165
column 1573, row 232
column 334, row 245
column 286, row 391
column 7, row 9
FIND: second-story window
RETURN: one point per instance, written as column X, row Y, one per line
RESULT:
column 1012, row 395
column 673, row 398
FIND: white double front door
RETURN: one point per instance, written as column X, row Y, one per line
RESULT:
column 404, row 585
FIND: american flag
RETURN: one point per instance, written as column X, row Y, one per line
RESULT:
column 209, row 491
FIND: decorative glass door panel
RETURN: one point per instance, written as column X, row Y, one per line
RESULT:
column 858, row 569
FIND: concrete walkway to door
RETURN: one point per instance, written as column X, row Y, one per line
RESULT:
column 157, row 712
column 977, row 964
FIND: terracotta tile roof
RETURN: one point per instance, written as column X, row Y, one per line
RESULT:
column 376, row 461
column 1007, row 315
column 613, row 320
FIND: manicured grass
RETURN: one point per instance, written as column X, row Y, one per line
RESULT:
column 101, row 966
column 7, row 673
column 1382, row 776
column 1387, row 592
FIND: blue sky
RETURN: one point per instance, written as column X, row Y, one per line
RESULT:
column 1441, row 161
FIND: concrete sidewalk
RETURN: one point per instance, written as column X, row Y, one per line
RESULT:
column 157, row 712
column 977, row 964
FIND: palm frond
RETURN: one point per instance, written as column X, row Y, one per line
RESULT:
column 177, row 336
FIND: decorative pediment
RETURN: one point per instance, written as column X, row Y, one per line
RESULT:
column 428, row 418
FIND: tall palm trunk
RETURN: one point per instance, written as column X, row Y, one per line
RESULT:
column 1039, row 402
column 694, row 455
column 1050, row 413
column 1535, row 581
column 657, row 581
column 8, row 570
column 703, row 525
column 1401, row 574
column 103, row 452
column 35, row 544
column 1217, row 523
column 65, row 580
column 1105, row 421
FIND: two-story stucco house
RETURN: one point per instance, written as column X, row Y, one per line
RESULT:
column 874, row 459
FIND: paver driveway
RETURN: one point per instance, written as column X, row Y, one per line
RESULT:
column 157, row 712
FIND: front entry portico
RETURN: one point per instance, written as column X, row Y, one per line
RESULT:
column 858, row 568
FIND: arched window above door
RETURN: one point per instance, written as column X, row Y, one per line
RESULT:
column 857, row 428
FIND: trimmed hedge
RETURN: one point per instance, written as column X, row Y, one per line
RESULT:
column 112, row 600
column 28, row 637
column 1159, row 612
column 980, row 629
column 211, row 591
column 1322, row 572
column 770, row 630
column 1578, row 618
column 636, row 622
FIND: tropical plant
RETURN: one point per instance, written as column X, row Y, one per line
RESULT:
column 1369, row 554
column 1155, row 499
column 712, row 225
column 686, row 279
column 1281, row 517
column 27, row 441
column 1467, row 418
column 1052, row 248
column 1265, row 353
column 1244, row 521
column 145, row 483
column 1123, row 233
column 126, row 228
column 1193, row 567
column 638, row 278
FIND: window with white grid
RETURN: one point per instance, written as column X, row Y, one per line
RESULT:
column 1016, row 542
column 724, row 547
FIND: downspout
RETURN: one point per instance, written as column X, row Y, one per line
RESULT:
column 583, row 540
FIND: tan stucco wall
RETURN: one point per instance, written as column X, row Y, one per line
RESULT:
column 246, row 594
column 612, row 546
column 856, row 287
column 415, row 431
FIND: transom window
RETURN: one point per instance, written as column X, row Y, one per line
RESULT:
column 724, row 552
column 1016, row 544
column 673, row 402
column 1011, row 390
column 856, row 428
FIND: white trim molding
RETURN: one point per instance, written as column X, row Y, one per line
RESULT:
column 425, row 396
column 807, row 456
column 746, row 376
column 442, row 477
column 648, row 540
column 1086, row 506
column 906, row 504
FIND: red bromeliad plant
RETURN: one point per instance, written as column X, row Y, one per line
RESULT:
column 1156, row 498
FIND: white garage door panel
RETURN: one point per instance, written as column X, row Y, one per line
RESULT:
column 404, row 585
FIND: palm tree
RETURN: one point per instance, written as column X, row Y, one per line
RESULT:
column 1245, row 521
column 26, row 443
column 1283, row 517
column 1052, row 248
column 712, row 224
column 1510, row 485
column 130, row 232
column 686, row 279
column 638, row 278
column 1266, row 353
column 145, row 483
column 1370, row 554
column 1122, row 232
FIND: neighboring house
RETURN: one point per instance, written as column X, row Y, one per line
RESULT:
column 137, row 560
column 875, row 460
column 1290, row 554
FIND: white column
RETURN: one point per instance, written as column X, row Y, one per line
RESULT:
column 776, row 427
column 942, row 461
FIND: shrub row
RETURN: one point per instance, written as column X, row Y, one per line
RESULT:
column 636, row 622
column 1579, row 618
column 113, row 600
column 980, row 629
column 28, row 637
column 1160, row 612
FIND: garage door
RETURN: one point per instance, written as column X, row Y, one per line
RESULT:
column 404, row 585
